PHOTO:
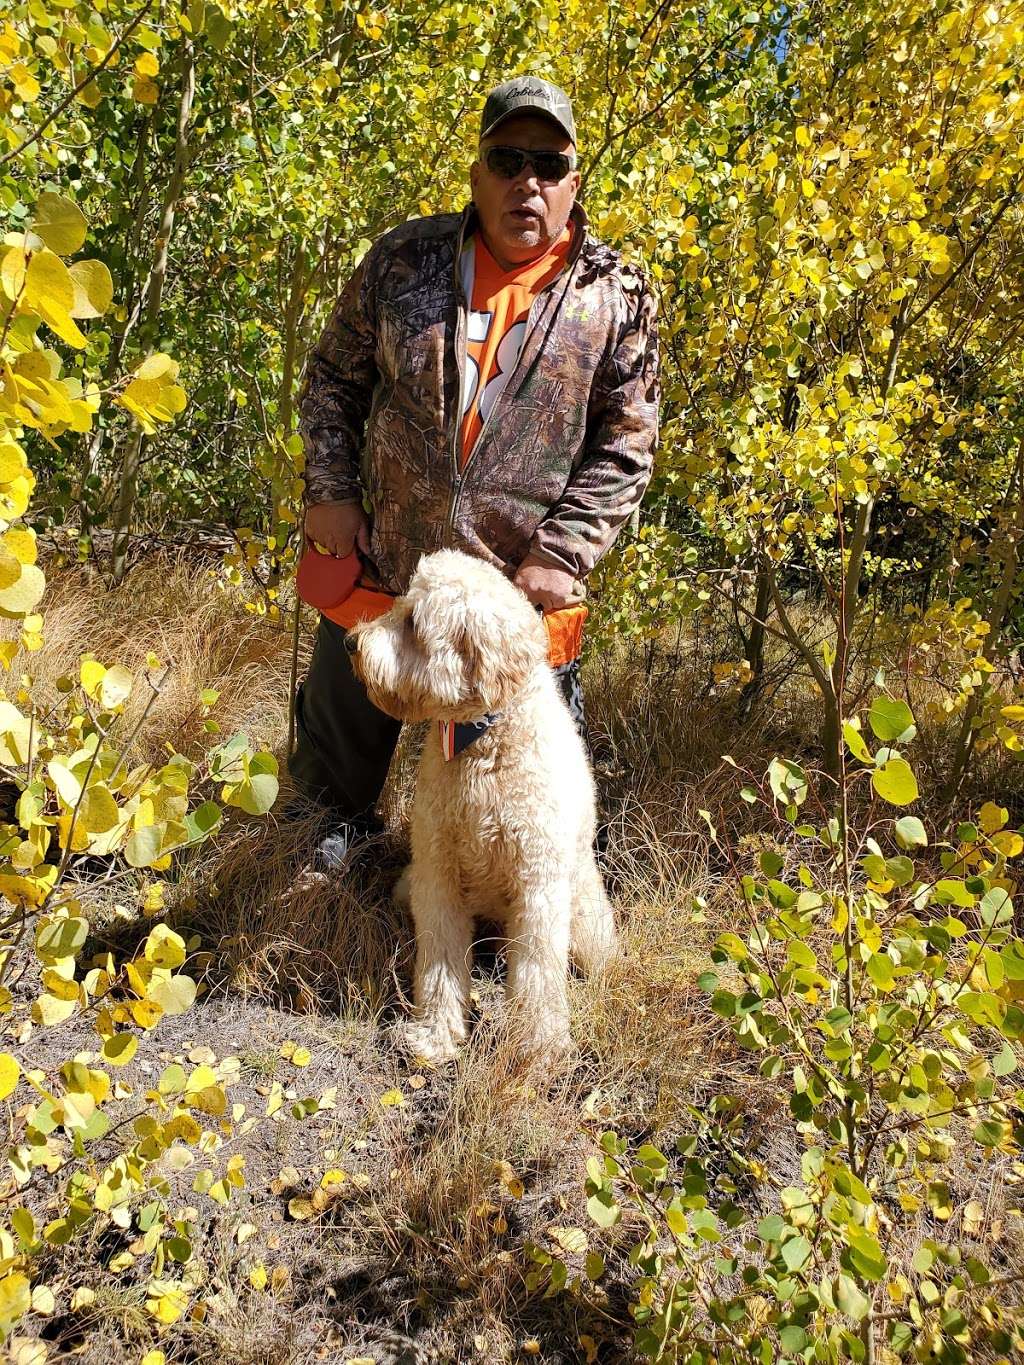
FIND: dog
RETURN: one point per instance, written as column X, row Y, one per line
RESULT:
column 503, row 828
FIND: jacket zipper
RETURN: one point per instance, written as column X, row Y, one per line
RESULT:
column 461, row 325
column 459, row 475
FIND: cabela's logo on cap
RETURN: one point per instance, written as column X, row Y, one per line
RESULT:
column 534, row 92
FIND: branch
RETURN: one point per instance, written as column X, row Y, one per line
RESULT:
column 91, row 76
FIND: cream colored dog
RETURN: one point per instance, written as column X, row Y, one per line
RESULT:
column 504, row 829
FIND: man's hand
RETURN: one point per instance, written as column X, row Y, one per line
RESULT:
column 338, row 526
column 545, row 586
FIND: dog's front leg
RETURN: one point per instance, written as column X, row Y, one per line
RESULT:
column 444, row 934
column 538, row 964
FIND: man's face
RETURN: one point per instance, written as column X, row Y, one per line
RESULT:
column 521, row 218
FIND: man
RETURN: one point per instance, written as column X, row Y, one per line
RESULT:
column 487, row 381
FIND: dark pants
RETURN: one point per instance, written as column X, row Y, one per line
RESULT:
column 343, row 744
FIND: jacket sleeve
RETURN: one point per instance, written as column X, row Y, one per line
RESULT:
column 337, row 390
column 609, row 480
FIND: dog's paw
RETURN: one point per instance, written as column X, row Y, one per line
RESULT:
column 547, row 1045
column 435, row 1046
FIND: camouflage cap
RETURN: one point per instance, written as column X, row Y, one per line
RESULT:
column 527, row 95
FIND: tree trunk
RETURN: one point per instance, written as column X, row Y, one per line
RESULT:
column 1012, row 535
column 754, row 651
column 151, row 311
column 93, row 443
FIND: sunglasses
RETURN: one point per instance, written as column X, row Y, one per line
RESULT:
column 508, row 162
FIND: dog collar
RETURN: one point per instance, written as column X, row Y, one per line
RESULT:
column 457, row 735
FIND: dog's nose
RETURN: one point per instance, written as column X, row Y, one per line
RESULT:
column 351, row 643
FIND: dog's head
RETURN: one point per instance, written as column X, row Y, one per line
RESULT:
column 460, row 643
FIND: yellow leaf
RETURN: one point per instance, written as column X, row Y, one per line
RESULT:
column 94, row 289
column 146, row 64
column 992, row 817
column 14, row 736
column 153, row 1358
column 24, row 82
column 21, row 543
column 43, row 1301
column 392, row 1097
column 166, row 1301
column 15, row 1297
column 9, row 1073
column 48, row 1010
column 120, row 1049
column 572, row 1240
column 144, row 90
column 258, row 1276
column 20, row 598
column 301, row 1056
column 146, row 1013
column 91, row 674
column 60, row 223
column 1009, row 843
column 301, row 1208
column 115, row 687
column 98, row 811
column 164, row 948
column 10, row 568
column 50, row 292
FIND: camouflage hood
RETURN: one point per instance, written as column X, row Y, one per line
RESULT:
column 566, row 453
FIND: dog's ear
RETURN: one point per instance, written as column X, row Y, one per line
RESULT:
column 500, row 655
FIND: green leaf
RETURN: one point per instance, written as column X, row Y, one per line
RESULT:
column 866, row 1254
column 910, row 833
column 1005, row 1061
column 203, row 821
column 771, row 1228
column 895, row 782
column 143, row 846
column 771, row 863
column 880, row 970
column 982, row 1006
column 603, row 1209
column 788, row 781
column 996, row 906
column 796, row 1252
column 851, row 1300
column 855, row 744
column 990, row 1132
column 890, row 719
column 900, row 870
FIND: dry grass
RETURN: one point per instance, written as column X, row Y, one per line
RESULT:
column 431, row 1255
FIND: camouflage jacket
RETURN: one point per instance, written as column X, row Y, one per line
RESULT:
column 566, row 453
